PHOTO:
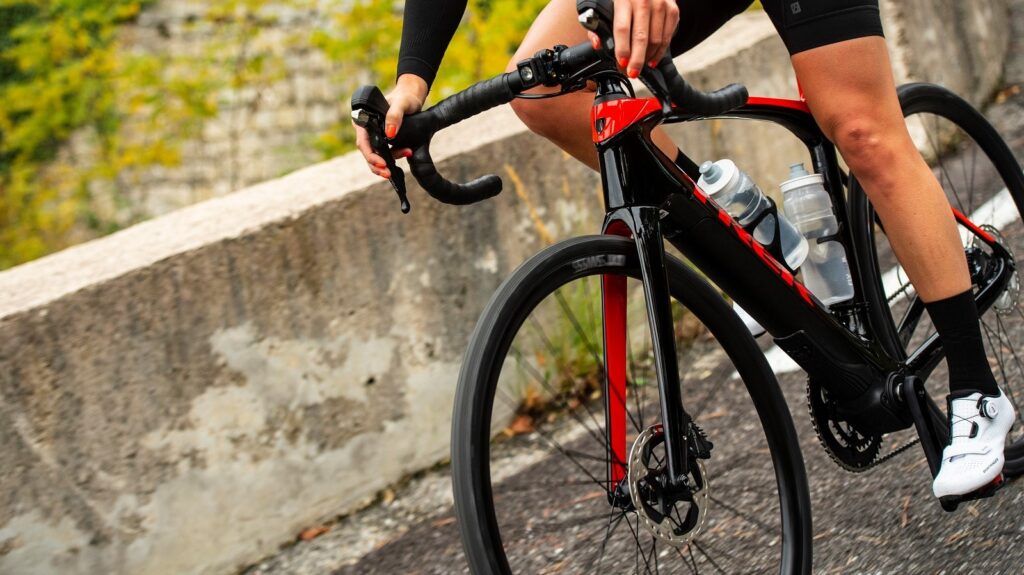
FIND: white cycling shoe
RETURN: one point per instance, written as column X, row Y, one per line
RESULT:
column 974, row 458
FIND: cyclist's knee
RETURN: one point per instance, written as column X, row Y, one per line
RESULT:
column 871, row 147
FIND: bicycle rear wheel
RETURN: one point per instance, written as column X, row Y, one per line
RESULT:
column 982, row 179
column 531, row 455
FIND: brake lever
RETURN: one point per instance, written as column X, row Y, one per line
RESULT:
column 368, row 114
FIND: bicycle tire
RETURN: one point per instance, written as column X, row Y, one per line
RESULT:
column 519, row 294
column 917, row 100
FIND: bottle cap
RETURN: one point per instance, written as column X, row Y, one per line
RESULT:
column 710, row 172
column 798, row 178
column 797, row 170
column 716, row 176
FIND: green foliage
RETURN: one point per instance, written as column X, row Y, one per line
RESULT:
column 66, row 76
column 56, row 57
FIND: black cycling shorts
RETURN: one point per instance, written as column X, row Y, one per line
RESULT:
column 803, row 24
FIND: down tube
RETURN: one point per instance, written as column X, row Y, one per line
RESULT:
column 739, row 265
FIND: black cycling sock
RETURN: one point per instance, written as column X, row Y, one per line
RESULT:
column 956, row 320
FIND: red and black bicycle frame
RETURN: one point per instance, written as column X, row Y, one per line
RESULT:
column 852, row 350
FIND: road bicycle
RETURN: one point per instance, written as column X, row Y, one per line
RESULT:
column 613, row 414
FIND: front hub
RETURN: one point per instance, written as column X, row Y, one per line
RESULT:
column 673, row 514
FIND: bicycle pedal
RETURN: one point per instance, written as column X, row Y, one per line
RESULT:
column 951, row 502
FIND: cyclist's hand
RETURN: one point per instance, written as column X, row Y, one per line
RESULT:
column 642, row 30
column 407, row 98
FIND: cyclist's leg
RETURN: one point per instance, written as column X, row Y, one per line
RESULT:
column 850, row 89
column 843, row 67
column 566, row 120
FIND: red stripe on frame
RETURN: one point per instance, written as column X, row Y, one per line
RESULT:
column 778, row 103
column 614, row 296
column 963, row 220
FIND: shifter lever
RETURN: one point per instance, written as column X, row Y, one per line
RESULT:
column 368, row 111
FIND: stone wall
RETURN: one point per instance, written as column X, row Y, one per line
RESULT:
column 185, row 395
column 261, row 131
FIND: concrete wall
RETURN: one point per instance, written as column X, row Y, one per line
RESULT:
column 185, row 395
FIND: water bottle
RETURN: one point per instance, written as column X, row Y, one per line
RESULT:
column 826, row 272
column 737, row 194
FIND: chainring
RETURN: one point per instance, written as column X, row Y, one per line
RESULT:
column 850, row 448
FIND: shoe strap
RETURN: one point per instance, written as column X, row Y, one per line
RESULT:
column 981, row 408
column 965, row 448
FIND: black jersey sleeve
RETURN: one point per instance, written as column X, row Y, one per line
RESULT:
column 427, row 29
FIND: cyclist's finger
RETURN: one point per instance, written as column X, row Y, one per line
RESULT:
column 671, row 21
column 401, row 153
column 382, row 172
column 595, row 40
column 656, row 42
column 393, row 120
column 641, row 37
column 623, row 20
column 363, row 145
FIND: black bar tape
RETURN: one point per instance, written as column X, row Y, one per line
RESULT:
column 693, row 100
column 423, row 169
column 478, row 98
column 417, row 129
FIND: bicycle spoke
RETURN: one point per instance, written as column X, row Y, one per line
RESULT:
column 1020, row 370
column 1002, row 371
column 593, row 350
column 653, row 556
column 558, row 448
column 689, row 550
column 613, row 524
column 557, row 454
column 579, row 330
column 572, row 412
column 545, row 486
column 974, row 161
column 942, row 165
column 637, row 553
column 708, row 557
column 568, row 375
column 1009, row 345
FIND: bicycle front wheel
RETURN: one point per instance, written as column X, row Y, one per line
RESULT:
column 541, row 481
column 982, row 179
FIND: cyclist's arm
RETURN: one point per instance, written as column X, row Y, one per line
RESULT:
column 428, row 28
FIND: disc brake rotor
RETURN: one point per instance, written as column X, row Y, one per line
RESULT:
column 675, row 519
column 1006, row 303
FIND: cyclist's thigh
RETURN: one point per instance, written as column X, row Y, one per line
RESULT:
column 556, row 24
column 808, row 24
